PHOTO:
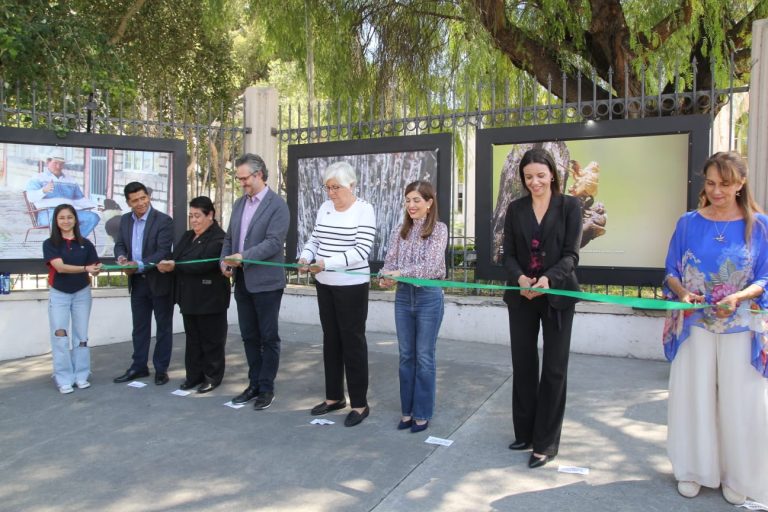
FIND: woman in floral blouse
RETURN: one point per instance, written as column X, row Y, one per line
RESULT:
column 718, row 391
column 417, row 249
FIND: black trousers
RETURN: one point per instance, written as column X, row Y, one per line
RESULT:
column 206, row 338
column 538, row 404
column 343, row 313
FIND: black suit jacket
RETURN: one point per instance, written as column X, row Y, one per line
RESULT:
column 200, row 288
column 156, row 246
column 560, row 237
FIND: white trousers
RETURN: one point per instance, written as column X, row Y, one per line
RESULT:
column 718, row 414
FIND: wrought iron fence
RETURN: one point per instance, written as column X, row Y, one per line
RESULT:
column 524, row 103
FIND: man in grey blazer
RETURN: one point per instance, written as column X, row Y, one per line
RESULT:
column 257, row 230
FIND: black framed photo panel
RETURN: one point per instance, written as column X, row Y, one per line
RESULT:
column 384, row 167
column 634, row 179
column 40, row 170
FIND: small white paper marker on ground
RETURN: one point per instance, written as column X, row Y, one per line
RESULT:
column 136, row 384
column 753, row 505
column 573, row 469
column 234, row 406
column 321, row 421
column 181, row 392
column 438, row 440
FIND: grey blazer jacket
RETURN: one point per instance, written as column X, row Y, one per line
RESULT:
column 264, row 241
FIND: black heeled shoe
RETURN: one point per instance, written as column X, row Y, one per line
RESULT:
column 537, row 462
column 519, row 445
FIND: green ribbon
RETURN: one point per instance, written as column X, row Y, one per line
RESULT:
column 632, row 302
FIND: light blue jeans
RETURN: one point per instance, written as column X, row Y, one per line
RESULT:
column 418, row 315
column 68, row 314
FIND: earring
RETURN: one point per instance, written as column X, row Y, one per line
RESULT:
column 553, row 178
column 738, row 194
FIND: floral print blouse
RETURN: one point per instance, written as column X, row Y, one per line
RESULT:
column 711, row 259
column 416, row 256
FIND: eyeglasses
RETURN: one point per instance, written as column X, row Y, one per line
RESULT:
column 244, row 179
column 332, row 188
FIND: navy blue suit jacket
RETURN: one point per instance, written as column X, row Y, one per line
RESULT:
column 156, row 246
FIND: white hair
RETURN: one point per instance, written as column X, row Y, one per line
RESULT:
column 342, row 172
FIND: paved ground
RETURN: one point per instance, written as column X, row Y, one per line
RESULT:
column 115, row 448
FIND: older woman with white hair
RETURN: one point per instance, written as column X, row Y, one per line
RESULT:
column 342, row 239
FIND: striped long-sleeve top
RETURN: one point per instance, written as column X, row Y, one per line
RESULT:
column 343, row 240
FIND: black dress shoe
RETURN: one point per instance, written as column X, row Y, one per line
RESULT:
column 263, row 400
column 520, row 445
column 161, row 378
column 355, row 418
column 537, row 462
column 207, row 387
column 130, row 375
column 189, row 385
column 325, row 408
column 246, row 396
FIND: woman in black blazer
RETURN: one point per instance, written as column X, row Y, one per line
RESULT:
column 542, row 235
column 202, row 294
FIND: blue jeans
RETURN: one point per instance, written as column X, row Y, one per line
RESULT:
column 257, row 314
column 418, row 315
column 86, row 218
column 68, row 315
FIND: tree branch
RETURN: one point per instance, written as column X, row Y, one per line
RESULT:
column 739, row 32
column 664, row 29
column 135, row 8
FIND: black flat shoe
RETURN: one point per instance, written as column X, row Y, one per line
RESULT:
column 355, row 418
column 207, row 387
column 161, row 378
column 130, row 375
column 404, row 424
column 189, row 385
column 418, row 428
column 246, row 396
column 519, row 445
column 325, row 408
column 537, row 462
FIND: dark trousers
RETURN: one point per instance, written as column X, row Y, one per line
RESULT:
column 538, row 404
column 343, row 312
column 143, row 304
column 204, row 356
column 257, row 314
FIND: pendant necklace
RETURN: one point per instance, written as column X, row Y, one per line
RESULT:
column 721, row 234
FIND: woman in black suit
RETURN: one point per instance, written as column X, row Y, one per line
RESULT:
column 542, row 235
column 202, row 293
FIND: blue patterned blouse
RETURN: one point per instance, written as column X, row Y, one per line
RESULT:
column 711, row 259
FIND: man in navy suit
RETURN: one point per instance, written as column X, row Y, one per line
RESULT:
column 257, row 230
column 144, row 239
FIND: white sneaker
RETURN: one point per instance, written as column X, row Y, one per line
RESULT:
column 82, row 384
column 65, row 389
column 689, row 489
column 732, row 496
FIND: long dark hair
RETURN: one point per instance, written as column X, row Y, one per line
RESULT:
column 540, row 156
column 56, row 237
column 427, row 192
column 733, row 168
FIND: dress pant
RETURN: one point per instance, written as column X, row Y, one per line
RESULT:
column 418, row 315
column 257, row 314
column 206, row 338
column 343, row 313
column 538, row 403
column 718, row 414
column 143, row 304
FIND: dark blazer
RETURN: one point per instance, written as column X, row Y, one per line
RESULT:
column 156, row 246
column 200, row 288
column 560, row 237
column 264, row 241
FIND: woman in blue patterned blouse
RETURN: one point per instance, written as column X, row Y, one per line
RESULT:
column 718, row 390
column 417, row 249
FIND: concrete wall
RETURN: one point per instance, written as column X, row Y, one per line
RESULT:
column 598, row 329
